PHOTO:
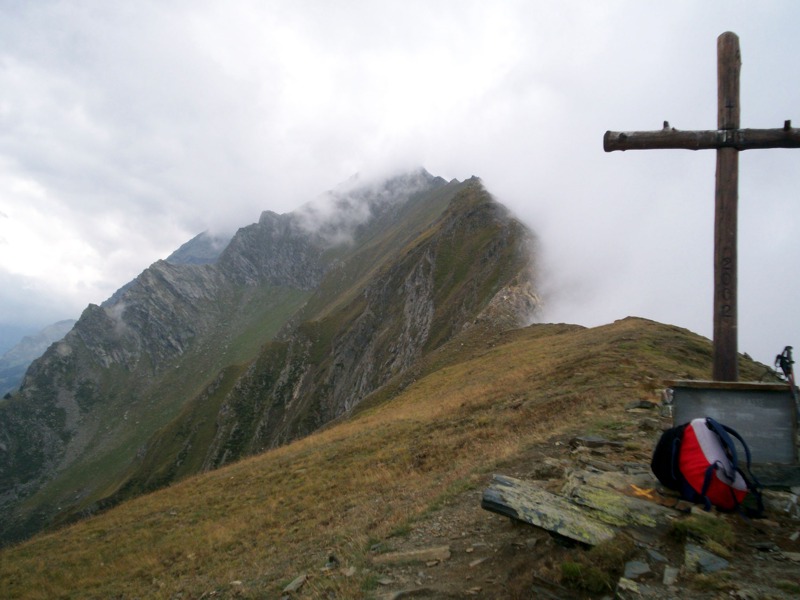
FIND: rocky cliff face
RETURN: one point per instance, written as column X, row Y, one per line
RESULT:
column 472, row 265
column 300, row 318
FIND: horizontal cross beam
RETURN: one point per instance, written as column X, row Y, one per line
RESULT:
column 740, row 139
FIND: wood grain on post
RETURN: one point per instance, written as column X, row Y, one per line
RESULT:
column 729, row 63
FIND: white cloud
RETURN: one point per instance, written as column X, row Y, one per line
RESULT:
column 125, row 129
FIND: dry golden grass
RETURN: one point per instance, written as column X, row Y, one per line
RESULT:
column 249, row 529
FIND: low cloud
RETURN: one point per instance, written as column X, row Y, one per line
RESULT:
column 335, row 215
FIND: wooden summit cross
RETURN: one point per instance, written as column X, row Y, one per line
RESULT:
column 728, row 139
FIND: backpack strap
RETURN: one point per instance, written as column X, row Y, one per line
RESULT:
column 748, row 457
column 674, row 462
column 724, row 432
column 707, row 482
column 689, row 493
column 759, row 510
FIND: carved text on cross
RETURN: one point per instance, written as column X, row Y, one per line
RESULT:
column 728, row 139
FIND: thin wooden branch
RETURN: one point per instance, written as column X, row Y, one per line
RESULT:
column 740, row 139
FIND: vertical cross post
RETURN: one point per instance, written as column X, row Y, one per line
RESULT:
column 729, row 63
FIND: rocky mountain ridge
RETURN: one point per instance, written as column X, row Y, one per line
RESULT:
column 301, row 316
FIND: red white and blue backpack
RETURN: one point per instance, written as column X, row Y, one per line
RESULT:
column 699, row 460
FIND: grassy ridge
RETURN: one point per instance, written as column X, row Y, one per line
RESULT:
column 248, row 529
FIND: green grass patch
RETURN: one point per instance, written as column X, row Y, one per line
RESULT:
column 790, row 587
column 712, row 531
column 599, row 569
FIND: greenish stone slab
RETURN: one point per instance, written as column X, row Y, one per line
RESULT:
column 603, row 493
column 531, row 504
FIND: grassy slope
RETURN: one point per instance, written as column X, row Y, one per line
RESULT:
column 476, row 402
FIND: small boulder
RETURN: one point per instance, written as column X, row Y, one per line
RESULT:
column 641, row 404
column 593, row 441
column 295, row 585
column 700, row 560
column 670, row 576
column 635, row 569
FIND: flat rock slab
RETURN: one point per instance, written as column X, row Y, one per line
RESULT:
column 641, row 405
column 529, row 503
column 594, row 441
column 295, row 585
column 437, row 553
column 700, row 560
column 671, row 575
column 635, row 569
column 619, row 499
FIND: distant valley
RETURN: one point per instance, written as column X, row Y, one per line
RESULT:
column 16, row 361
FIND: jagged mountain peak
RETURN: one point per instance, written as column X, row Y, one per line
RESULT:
column 409, row 179
column 331, row 218
column 204, row 248
column 334, row 217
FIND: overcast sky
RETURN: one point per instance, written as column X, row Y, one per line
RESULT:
column 128, row 127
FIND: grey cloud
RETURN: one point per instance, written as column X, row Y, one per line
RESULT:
column 147, row 123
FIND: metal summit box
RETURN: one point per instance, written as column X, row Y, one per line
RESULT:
column 764, row 414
